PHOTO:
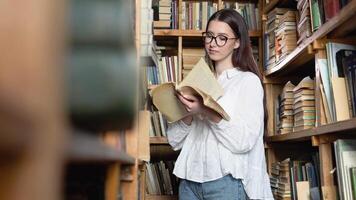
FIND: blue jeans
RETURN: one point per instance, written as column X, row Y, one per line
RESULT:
column 225, row 188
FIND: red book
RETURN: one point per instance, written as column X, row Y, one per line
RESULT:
column 331, row 8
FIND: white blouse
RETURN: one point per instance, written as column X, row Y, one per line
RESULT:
column 211, row 150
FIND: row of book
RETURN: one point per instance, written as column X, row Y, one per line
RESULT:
column 160, row 179
column 296, row 179
column 158, row 125
column 284, row 30
column 300, row 178
column 337, row 69
column 296, row 107
column 167, row 66
column 195, row 14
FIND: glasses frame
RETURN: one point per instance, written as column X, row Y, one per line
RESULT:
column 204, row 35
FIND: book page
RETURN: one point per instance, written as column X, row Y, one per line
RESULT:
column 165, row 99
column 199, row 82
column 201, row 77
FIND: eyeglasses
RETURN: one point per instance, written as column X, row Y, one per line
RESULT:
column 220, row 40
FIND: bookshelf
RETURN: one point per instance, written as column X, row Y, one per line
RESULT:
column 304, row 52
column 301, row 62
column 174, row 42
column 40, row 149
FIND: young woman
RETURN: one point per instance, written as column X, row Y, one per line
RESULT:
column 219, row 159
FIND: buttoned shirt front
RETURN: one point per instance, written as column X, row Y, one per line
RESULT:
column 211, row 150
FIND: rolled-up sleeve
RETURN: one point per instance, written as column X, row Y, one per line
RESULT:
column 241, row 133
column 176, row 134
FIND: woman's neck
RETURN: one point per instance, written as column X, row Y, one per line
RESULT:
column 223, row 65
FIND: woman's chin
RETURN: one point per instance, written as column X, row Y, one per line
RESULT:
column 214, row 57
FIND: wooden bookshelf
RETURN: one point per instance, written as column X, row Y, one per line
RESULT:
column 340, row 28
column 341, row 127
column 178, row 39
column 190, row 33
column 304, row 52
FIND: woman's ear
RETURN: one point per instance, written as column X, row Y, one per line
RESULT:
column 237, row 43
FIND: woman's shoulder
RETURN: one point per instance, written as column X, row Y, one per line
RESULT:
column 250, row 78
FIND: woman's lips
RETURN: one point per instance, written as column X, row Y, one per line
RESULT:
column 211, row 51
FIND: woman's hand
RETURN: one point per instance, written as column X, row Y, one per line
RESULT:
column 193, row 104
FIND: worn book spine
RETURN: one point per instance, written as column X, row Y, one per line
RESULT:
column 353, row 181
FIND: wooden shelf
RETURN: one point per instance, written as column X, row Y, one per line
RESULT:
column 301, row 56
column 346, row 126
column 191, row 33
column 158, row 140
column 161, row 197
column 89, row 148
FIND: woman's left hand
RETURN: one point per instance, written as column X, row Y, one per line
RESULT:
column 193, row 104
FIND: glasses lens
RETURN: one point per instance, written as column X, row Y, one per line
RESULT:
column 207, row 38
column 221, row 40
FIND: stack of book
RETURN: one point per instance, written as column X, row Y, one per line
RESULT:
column 274, row 177
column 304, row 23
column 286, row 109
column 286, row 35
column 191, row 56
column 146, row 28
column 270, row 37
column 163, row 9
column 304, row 105
column 280, row 180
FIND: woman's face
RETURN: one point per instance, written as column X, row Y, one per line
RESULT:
column 223, row 41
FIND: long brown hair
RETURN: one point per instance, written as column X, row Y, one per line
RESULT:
column 242, row 57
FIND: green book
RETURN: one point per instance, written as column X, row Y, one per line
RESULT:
column 353, row 181
column 101, row 85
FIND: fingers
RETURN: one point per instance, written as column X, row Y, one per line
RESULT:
column 189, row 97
column 185, row 101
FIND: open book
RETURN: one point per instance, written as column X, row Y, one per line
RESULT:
column 199, row 82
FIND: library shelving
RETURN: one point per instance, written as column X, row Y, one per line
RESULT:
column 172, row 42
column 321, row 139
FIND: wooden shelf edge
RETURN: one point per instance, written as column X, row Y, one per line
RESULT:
column 192, row 33
column 161, row 197
column 341, row 126
column 344, row 14
column 158, row 140
column 88, row 148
